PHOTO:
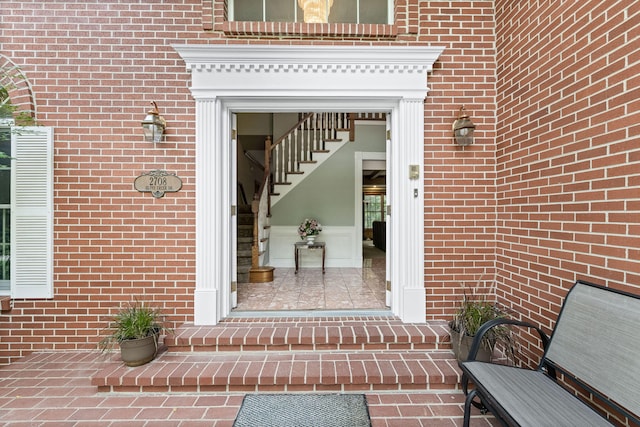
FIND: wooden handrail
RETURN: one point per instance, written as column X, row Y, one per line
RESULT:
column 294, row 127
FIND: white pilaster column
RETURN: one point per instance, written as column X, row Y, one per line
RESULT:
column 407, row 213
column 212, row 214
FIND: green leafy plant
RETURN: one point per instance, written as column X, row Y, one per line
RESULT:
column 473, row 312
column 133, row 321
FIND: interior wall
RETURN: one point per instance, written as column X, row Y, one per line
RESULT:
column 327, row 194
column 248, row 174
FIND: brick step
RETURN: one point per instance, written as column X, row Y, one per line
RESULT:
column 272, row 371
column 308, row 334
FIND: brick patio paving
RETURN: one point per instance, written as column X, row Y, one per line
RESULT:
column 54, row 389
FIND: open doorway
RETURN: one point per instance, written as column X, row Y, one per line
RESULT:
column 232, row 78
column 354, row 278
column 374, row 214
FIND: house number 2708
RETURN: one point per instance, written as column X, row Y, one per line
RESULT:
column 158, row 182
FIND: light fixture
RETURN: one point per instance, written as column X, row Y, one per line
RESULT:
column 153, row 125
column 315, row 11
column 463, row 129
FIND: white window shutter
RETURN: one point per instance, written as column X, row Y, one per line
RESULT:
column 32, row 212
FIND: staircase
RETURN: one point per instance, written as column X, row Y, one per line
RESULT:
column 288, row 161
column 244, row 239
column 302, row 149
column 354, row 354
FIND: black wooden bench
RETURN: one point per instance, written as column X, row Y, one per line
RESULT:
column 595, row 344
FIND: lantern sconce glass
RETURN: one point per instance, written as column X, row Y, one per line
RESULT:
column 153, row 125
column 463, row 129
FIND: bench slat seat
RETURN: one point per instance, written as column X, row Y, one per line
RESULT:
column 531, row 398
column 595, row 345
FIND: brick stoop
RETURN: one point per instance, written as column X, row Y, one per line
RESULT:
column 294, row 355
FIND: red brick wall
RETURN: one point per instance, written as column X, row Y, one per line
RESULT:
column 459, row 183
column 568, row 158
column 96, row 65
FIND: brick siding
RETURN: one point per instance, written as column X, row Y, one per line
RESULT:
column 547, row 194
column 568, row 158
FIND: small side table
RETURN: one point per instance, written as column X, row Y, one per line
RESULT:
column 305, row 245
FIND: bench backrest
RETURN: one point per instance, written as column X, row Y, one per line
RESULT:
column 597, row 341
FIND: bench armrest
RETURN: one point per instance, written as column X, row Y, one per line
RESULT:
column 477, row 340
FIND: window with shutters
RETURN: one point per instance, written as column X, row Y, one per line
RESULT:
column 5, row 209
column 26, row 211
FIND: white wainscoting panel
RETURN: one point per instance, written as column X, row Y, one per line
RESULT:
column 340, row 247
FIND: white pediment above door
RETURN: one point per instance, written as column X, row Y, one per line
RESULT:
column 343, row 71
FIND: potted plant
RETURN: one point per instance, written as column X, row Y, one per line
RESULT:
column 309, row 229
column 473, row 313
column 136, row 329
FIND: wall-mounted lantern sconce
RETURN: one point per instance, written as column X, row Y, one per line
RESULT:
column 153, row 125
column 463, row 129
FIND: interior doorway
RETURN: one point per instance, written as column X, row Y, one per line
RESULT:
column 358, row 285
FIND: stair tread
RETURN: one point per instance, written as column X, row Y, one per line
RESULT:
column 303, row 333
column 338, row 357
column 389, row 370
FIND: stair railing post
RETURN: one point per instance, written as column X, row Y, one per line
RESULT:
column 352, row 127
column 255, row 246
column 267, row 153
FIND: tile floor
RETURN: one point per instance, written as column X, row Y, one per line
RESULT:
column 309, row 289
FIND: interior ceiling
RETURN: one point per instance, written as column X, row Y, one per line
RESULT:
column 377, row 177
column 374, row 173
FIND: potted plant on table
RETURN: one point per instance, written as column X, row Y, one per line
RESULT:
column 473, row 312
column 309, row 229
column 136, row 328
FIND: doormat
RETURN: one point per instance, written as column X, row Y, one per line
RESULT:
column 303, row 410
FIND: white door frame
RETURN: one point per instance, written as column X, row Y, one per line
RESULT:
column 360, row 157
column 270, row 78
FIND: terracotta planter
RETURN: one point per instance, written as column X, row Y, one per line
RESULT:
column 139, row 351
column 462, row 346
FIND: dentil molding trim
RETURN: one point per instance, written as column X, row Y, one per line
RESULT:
column 402, row 59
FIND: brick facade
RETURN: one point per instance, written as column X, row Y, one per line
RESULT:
column 567, row 153
column 547, row 194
